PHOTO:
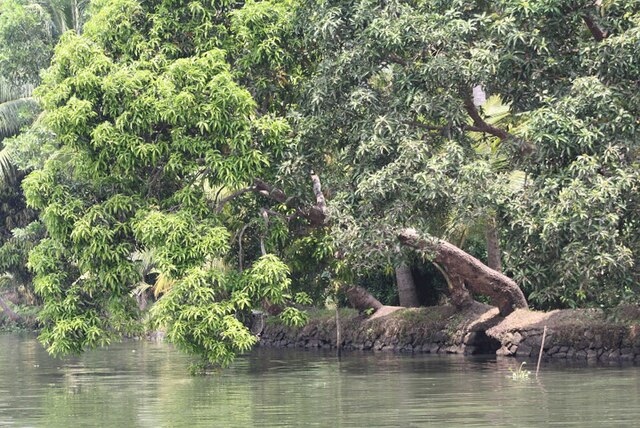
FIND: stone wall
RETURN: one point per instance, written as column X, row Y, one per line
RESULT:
column 439, row 329
column 571, row 334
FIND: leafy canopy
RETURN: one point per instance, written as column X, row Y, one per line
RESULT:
column 149, row 115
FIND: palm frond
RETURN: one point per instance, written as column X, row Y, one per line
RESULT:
column 495, row 110
column 517, row 180
column 10, row 91
column 16, row 114
column 163, row 284
column 7, row 169
column 46, row 9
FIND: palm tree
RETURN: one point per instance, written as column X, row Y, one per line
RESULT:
column 17, row 109
column 65, row 14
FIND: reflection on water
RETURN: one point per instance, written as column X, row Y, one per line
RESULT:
column 140, row 384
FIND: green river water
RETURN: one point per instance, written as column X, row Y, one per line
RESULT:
column 142, row 384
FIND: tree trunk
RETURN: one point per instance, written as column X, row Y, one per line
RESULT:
column 406, row 287
column 8, row 312
column 494, row 259
column 75, row 17
column 362, row 300
column 464, row 269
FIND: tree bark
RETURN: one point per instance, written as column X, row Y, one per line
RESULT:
column 361, row 299
column 406, row 287
column 465, row 270
column 494, row 259
column 8, row 312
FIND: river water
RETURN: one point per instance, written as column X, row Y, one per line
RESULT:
column 142, row 384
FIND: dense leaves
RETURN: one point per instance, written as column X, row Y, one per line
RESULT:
column 509, row 121
column 149, row 116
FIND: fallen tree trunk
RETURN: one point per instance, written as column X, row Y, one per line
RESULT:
column 361, row 299
column 468, row 274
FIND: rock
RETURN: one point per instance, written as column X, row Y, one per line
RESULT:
column 627, row 357
column 470, row 338
column 517, row 337
column 524, row 350
column 503, row 352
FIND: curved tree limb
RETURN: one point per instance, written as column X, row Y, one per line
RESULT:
column 465, row 270
column 480, row 124
column 361, row 299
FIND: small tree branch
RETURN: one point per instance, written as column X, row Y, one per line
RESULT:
column 269, row 191
column 240, row 249
column 220, row 205
column 315, row 214
column 421, row 125
column 479, row 124
column 393, row 57
column 265, row 217
column 321, row 202
column 596, row 31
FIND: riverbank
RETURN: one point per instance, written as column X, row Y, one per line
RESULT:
column 581, row 334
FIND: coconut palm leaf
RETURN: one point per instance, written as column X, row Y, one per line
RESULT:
column 10, row 92
column 7, row 170
column 16, row 114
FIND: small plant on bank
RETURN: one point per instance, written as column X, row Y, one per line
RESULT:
column 520, row 373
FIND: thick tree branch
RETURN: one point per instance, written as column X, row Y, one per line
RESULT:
column 270, row 191
column 441, row 129
column 465, row 270
column 361, row 299
column 479, row 123
column 315, row 214
column 596, row 31
column 220, row 205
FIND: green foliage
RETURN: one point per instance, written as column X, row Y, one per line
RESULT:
column 578, row 217
column 161, row 113
column 390, row 102
column 149, row 118
column 26, row 41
